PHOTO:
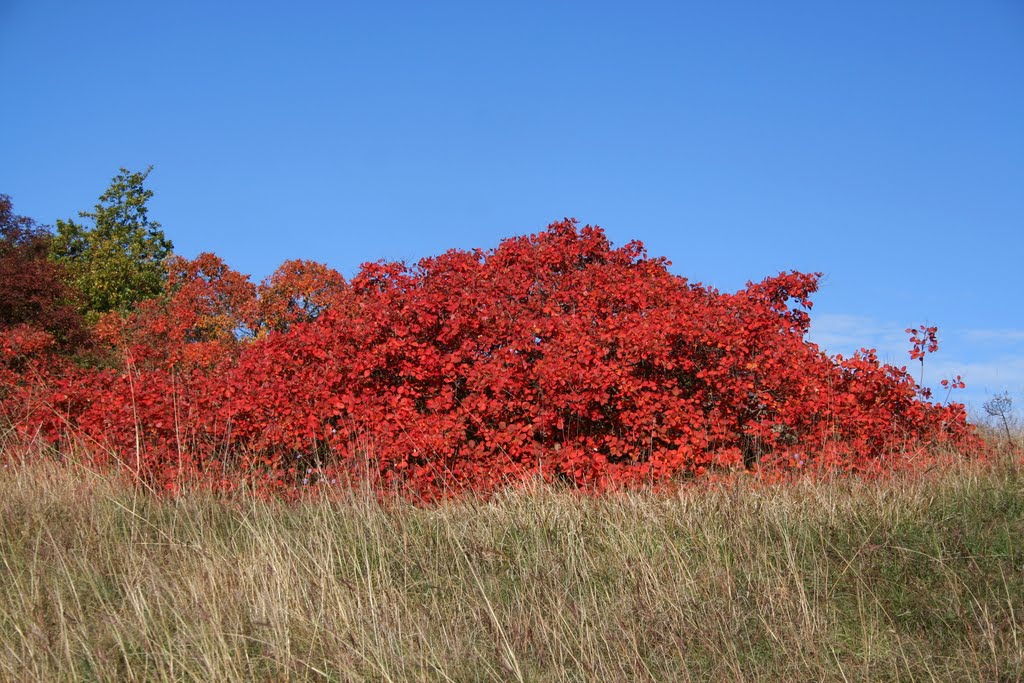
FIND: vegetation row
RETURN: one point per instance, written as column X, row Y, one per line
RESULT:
column 555, row 355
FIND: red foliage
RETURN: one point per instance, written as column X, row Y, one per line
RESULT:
column 198, row 323
column 923, row 341
column 37, row 317
column 32, row 289
column 554, row 354
column 297, row 292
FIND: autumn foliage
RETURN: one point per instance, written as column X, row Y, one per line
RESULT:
column 34, row 292
column 554, row 354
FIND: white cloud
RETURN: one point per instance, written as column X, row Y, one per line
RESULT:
column 995, row 336
column 839, row 333
column 996, row 374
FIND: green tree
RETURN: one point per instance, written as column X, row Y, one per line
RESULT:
column 119, row 261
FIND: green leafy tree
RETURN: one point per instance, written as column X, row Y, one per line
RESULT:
column 119, row 260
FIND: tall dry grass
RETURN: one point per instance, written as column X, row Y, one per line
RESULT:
column 849, row 580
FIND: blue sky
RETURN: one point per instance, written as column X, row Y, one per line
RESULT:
column 881, row 143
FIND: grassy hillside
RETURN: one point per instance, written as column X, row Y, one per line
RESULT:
column 905, row 579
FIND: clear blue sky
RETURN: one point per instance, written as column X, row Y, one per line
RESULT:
column 879, row 142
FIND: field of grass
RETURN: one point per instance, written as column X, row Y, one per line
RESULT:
column 905, row 579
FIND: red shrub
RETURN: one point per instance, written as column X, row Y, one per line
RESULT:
column 199, row 322
column 32, row 289
column 554, row 354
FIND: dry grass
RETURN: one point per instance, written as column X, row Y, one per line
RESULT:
column 906, row 579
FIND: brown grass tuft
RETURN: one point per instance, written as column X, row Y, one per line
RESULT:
column 847, row 580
